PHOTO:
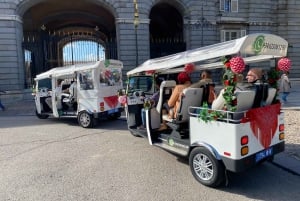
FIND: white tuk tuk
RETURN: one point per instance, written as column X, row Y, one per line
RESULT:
column 234, row 142
column 87, row 92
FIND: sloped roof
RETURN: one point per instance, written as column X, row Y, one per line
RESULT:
column 253, row 48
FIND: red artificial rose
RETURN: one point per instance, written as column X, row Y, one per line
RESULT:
column 227, row 65
column 189, row 68
column 150, row 72
column 271, row 81
column 234, row 102
column 234, row 78
column 226, row 82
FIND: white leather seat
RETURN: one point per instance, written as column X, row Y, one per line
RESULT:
column 245, row 101
column 165, row 90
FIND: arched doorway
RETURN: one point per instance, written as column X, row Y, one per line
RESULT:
column 166, row 30
column 49, row 26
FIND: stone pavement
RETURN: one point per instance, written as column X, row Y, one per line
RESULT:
column 283, row 160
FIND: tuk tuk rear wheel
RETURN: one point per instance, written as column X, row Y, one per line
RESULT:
column 85, row 120
column 206, row 168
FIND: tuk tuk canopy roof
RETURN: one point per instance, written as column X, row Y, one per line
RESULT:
column 253, row 48
column 70, row 70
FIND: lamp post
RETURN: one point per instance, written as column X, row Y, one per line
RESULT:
column 136, row 24
column 96, row 31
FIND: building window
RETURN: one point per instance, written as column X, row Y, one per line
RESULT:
column 227, row 35
column 229, row 5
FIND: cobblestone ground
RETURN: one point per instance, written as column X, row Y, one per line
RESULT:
column 292, row 124
column 292, row 133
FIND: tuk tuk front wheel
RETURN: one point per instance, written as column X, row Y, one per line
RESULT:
column 206, row 168
column 85, row 120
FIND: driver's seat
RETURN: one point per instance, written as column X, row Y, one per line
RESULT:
column 165, row 92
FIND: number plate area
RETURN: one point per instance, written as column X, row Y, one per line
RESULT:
column 113, row 111
column 263, row 154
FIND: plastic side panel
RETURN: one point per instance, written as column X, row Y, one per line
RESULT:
column 90, row 105
column 105, row 91
column 155, row 118
column 226, row 137
column 223, row 137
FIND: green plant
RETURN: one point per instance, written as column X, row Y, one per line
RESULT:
column 273, row 77
column 206, row 114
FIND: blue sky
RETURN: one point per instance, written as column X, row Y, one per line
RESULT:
column 83, row 51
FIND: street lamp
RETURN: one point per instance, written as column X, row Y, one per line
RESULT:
column 96, row 31
column 136, row 23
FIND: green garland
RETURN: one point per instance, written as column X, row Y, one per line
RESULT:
column 229, row 81
column 207, row 114
column 273, row 77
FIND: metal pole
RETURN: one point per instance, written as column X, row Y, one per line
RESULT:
column 136, row 47
column 136, row 24
column 72, row 50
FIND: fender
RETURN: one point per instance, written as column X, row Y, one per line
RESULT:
column 210, row 148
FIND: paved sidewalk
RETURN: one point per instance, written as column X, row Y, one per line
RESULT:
column 284, row 160
column 26, row 107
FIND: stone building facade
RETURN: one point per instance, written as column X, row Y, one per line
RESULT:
column 138, row 29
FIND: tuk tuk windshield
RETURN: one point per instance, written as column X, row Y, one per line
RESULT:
column 45, row 83
column 141, row 83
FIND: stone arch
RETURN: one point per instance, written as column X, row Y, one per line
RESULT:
column 49, row 25
column 24, row 5
column 167, row 28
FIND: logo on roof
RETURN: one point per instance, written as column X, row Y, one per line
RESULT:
column 258, row 44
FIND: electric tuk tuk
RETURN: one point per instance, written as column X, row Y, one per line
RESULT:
column 88, row 92
column 233, row 141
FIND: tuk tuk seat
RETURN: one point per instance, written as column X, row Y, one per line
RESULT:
column 260, row 95
column 189, row 97
column 271, row 96
column 165, row 92
column 245, row 100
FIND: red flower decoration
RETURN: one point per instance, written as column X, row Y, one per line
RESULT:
column 122, row 99
column 227, row 65
column 189, row 68
column 150, row 72
column 226, row 82
column 284, row 64
column 237, row 64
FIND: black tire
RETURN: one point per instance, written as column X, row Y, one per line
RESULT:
column 85, row 120
column 206, row 168
column 41, row 116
